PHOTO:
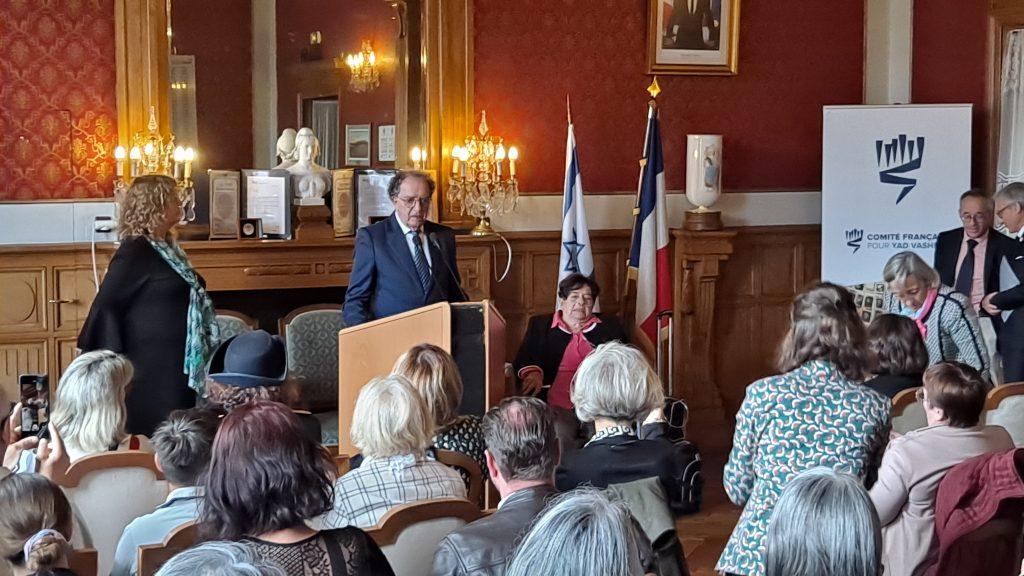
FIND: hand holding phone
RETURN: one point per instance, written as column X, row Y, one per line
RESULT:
column 35, row 403
column 33, row 454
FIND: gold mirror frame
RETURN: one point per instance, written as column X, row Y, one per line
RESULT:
column 435, row 105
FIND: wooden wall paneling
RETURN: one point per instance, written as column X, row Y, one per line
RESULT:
column 769, row 266
column 74, row 291
column 66, row 350
column 29, row 356
column 142, row 52
column 23, row 296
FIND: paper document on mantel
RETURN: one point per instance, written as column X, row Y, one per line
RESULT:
column 1007, row 280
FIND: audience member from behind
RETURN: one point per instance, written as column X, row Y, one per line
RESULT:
column 392, row 428
column 266, row 480
column 616, row 388
column 945, row 318
column 954, row 397
column 582, row 533
column 522, row 452
column 254, row 366
column 219, row 558
column 816, row 413
column 433, row 373
column 89, row 405
column 35, row 525
column 182, row 445
column 898, row 355
column 824, row 525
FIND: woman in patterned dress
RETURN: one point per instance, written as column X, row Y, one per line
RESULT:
column 816, row 413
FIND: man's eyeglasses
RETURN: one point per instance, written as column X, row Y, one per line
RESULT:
column 968, row 218
column 1003, row 209
column 410, row 202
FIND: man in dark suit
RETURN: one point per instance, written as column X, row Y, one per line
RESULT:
column 521, row 454
column 1010, row 209
column 687, row 23
column 967, row 259
column 404, row 261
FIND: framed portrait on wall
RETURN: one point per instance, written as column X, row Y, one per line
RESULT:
column 357, row 144
column 693, row 36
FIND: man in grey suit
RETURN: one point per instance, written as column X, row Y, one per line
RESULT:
column 522, row 452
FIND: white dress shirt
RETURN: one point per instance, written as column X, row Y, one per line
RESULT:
column 409, row 241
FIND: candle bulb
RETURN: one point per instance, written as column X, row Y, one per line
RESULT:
column 513, row 155
column 190, row 156
column 119, row 156
column 455, row 160
column 179, row 162
column 499, row 156
column 136, row 158
column 415, row 155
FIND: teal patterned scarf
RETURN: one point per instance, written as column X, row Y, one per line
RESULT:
column 202, row 334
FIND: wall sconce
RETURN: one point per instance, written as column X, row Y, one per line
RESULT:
column 312, row 52
column 418, row 157
column 363, row 68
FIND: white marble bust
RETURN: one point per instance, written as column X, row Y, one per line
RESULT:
column 310, row 180
column 286, row 149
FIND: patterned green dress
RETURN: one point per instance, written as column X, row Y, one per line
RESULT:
column 812, row 416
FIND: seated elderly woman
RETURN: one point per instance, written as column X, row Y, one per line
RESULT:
column 582, row 533
column 945, row 318
column 433, row 373
column 556, row 344
column 816, row 413
column 824, row 523
column 35, row 526
column 265, row 482
column 89, row 405
column 615, row 389
column 913, row 466
column 392, row 428
column 898, row 355
column 220, row 558
column 253, row 366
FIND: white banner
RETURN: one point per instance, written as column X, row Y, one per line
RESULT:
column 891, row 181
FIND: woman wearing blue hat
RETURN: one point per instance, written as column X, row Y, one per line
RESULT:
column 253, row 366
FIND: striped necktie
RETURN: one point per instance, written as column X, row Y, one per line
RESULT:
column 420, row 259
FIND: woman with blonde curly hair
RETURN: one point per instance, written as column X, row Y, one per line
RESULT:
column 152, row 307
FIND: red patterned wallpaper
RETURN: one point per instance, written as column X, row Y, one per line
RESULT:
column 794, row 57
column 58, row 121
column 950, row 61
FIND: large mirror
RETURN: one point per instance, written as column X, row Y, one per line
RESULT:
column 241, row 72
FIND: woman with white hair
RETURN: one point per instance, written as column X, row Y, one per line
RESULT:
column 824, row 525
column 582, row 533
column 946, row 319
column 89, row 405
column 816, row 413
column 392, row 428
column 616, row 389
column 220, row 558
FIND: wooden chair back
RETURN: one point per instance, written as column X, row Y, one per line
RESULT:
column 84, row 562
column 461, row 461
column 1004, row 407
column 341, row 461
column 107, row 491
column 907, row 413
column 152, row 556
column 409, row 534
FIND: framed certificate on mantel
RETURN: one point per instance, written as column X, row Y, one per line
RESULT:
column 225, row 203
column 268, row 196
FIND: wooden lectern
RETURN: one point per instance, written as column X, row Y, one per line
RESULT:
column 472, row 332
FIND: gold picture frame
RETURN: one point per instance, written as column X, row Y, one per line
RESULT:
column 702, row 37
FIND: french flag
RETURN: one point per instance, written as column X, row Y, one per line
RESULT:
column 649, row 262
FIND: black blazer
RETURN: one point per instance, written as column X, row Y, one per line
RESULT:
column 620, row 459
column 947, row 250
column 890, row 384
column 384, row 281
column 1011, row 333
column 485, row 546
column 544, row 346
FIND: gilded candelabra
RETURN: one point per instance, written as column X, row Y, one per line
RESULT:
column 151, row 153
column 480, row 183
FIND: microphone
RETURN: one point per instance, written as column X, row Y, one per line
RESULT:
column 432, row 237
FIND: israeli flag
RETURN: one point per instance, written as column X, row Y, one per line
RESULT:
column 576, row 252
